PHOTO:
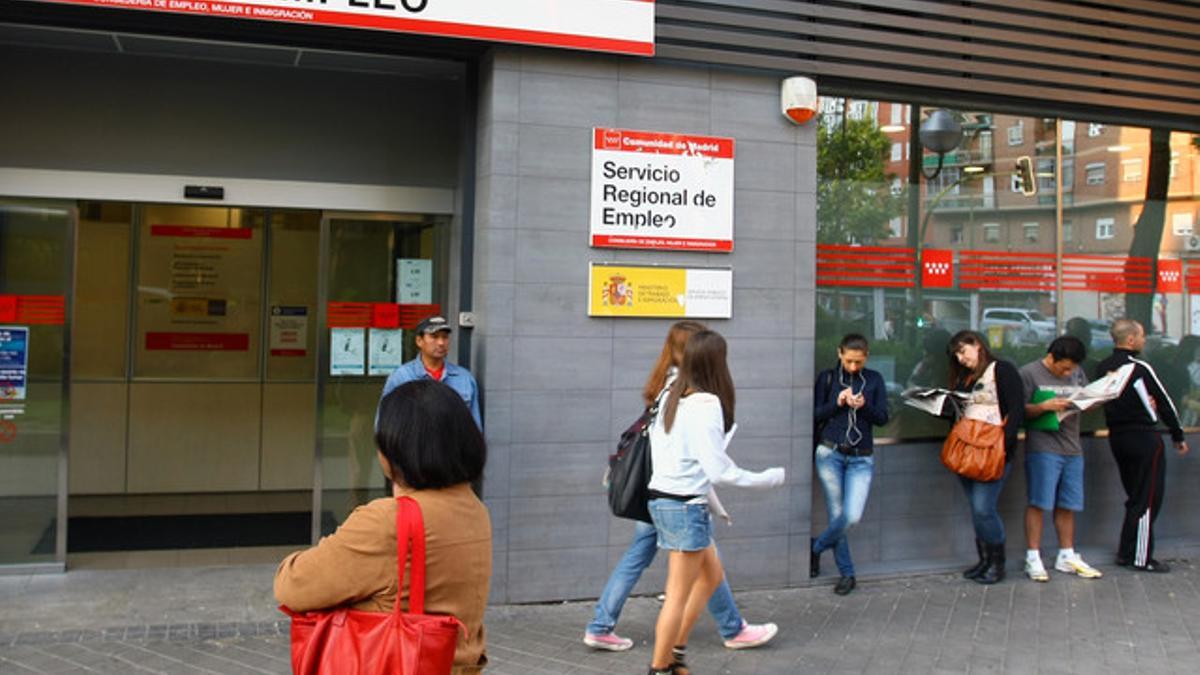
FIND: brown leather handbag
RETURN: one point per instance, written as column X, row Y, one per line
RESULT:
column 975, row 449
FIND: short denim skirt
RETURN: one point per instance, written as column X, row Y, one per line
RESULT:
column 681, row 526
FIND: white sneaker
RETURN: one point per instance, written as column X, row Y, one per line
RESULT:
column 1035, row 570
column 752, row 635
column 610, row 642
column 1077, row 567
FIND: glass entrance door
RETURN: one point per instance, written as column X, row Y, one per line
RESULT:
column 35, row 275
column 368, row 261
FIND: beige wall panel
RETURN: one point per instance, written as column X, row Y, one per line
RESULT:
column 289, row 423
column 101, row 301
column 194, row 437
column 97, row 440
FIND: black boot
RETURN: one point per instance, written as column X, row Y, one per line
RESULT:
column 994, row 571
column 814, row 560
column 978, row 568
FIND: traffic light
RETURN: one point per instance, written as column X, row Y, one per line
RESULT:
column 1024, row 180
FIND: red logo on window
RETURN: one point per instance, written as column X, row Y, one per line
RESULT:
column 937, row 269
column 1170, row 276
column 8, row 308
column 385, row 315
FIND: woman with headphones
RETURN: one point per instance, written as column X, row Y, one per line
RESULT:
column 847, row 401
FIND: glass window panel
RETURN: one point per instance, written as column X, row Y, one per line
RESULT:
column 364, row 256
column 34, row 260
column 1006, row 240
column 199, row 289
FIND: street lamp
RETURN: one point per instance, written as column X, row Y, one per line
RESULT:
column 940, row 133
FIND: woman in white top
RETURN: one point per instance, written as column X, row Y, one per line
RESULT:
column 687, row 445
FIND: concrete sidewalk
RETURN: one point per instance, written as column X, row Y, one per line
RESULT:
column 223, row 620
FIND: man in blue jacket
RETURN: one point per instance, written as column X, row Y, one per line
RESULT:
column 433, row 342
column 847, row 401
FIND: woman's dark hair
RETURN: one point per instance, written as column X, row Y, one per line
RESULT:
column 677, row 337
column 1067, row 347
column 854, row 342
column 703, row 369
column 428, row 436
column 960, row 374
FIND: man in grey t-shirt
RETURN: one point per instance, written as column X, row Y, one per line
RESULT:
column 1054, row 455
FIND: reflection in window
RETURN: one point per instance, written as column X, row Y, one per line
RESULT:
column 1016, row 133
column 1045, row 174
column 1131, row 170
column 1181, row 224
column 1001, row 249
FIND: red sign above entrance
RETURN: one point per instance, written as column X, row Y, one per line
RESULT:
column 618, row 26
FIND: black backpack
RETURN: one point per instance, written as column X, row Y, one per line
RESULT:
column 629, row 470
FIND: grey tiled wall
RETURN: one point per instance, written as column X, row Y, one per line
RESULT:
column 558, row 386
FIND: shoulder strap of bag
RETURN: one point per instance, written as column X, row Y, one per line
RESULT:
column 410, row 526
column 655, row 407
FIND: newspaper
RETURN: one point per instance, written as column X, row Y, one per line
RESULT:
column 1102, row 390
column 1107, row 388
column 933, row 400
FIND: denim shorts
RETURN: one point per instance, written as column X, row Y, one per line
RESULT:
column 1054, row 480
column 681, row 526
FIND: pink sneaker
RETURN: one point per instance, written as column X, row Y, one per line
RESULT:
column 609, row 641
column 752, row 635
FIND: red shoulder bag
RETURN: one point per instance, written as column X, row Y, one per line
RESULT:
column 355, row 642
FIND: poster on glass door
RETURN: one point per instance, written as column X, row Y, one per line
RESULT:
column 387, row 351
column 347, row 352
column 14, row 362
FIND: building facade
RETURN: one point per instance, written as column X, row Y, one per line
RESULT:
column 212, row 227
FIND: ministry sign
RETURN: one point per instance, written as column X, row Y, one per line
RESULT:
column 618, row 26
column 663, row 292
column 661, row 191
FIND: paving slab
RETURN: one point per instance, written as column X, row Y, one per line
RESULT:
column 223, row 620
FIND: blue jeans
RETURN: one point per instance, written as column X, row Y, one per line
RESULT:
column 625, row 576
column 847, row 482
column 985, row 514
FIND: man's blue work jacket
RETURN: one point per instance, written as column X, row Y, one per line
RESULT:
column 456, row 377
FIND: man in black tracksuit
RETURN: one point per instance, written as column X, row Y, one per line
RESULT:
column 1137, row 445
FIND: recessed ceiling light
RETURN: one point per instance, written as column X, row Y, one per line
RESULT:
column 892, row 128
column 973, row 169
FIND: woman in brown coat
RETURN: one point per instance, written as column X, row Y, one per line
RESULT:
column 431, row 449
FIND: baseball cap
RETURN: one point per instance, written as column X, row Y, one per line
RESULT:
column 433, row 324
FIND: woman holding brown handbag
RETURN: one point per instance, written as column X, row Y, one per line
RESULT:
column 995, row 397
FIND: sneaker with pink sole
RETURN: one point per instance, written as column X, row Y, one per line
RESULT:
column 752, row 635
column 610, row 642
